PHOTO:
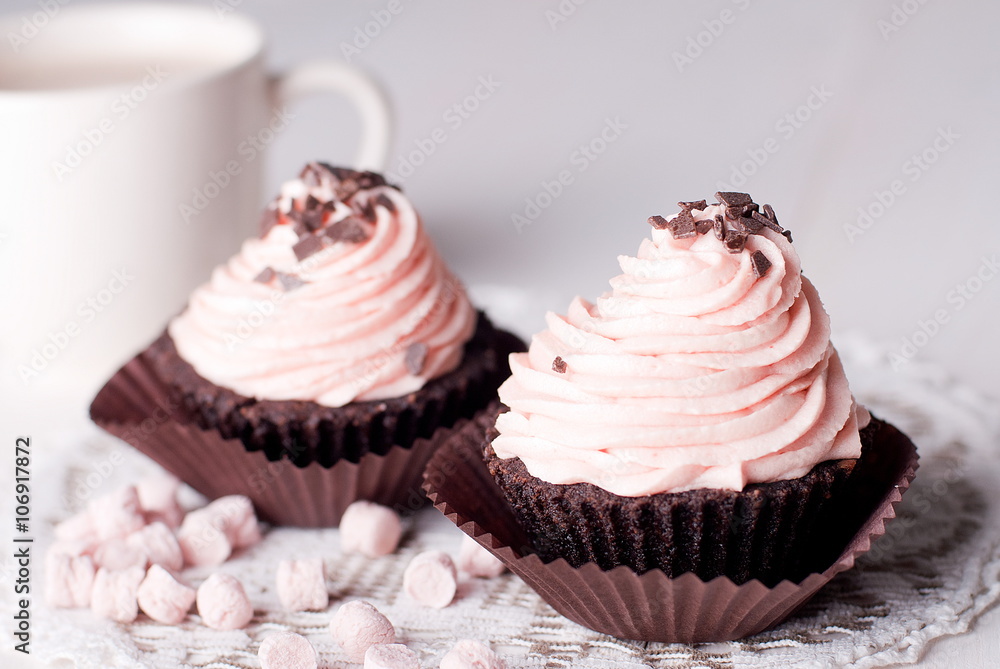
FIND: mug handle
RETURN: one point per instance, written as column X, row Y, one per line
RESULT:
column 368, row 98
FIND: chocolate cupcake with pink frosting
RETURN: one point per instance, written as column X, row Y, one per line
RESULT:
column 696, row 418
column 681, row 460
column 319, row 365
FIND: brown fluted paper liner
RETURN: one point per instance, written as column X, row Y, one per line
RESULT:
column 620, row 602
column 135, row 406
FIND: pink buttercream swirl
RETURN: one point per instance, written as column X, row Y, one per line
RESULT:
column 369, row 314
column 693, row 372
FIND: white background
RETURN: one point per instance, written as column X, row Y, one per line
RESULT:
column 891, row 90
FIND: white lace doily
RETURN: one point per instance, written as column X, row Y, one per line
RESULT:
column 930, row 576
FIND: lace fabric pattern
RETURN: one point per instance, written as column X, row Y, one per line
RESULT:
column 931, row 575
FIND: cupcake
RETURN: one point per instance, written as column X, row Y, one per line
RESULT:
column 319, row 365
column 691, row 428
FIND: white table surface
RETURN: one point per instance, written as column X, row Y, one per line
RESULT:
column 889, row 97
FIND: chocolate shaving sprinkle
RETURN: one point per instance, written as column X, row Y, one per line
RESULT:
column 755, row 222
column 368, row 180
column 350, row 230
column 764, row 221
column 658, row 222
column 363, row 180
column 720, row 227
column 312, row 219
column 307, row 246
column 734, row 213
column 735, row 241
column 774, row 226
column 308, row 214
column 368, row 212
column 416, row 355
column 559, row 365
column 344, row 182
column 290, row 282
column 346, row 189
column 731, row 199
column 741, row 218
column 760, row 264
column 682, row 226
column 313, row 213
column 265, row 275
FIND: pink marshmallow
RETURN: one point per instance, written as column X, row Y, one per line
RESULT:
column 357, row 625
column 370, row 529
column 163, row 598
column 431, row 579
column 159, row 544
column 210, row 534
column 390, row 656
column 69, row 580
column 117, row 514
column 117, row 554
column 202, row 541
column 114, row 594
column 158, row 499
column 301, row 585
column 469, row 654
column 287, row 650
column 223, row 603
column 78, row 528
column 74, row 548
column 238, row 519
column 475, row 560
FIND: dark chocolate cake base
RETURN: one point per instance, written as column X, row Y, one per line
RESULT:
column 653, row 606
column 306, row 432
column 767, row 531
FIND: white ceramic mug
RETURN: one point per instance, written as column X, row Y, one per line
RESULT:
column 131, row 164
